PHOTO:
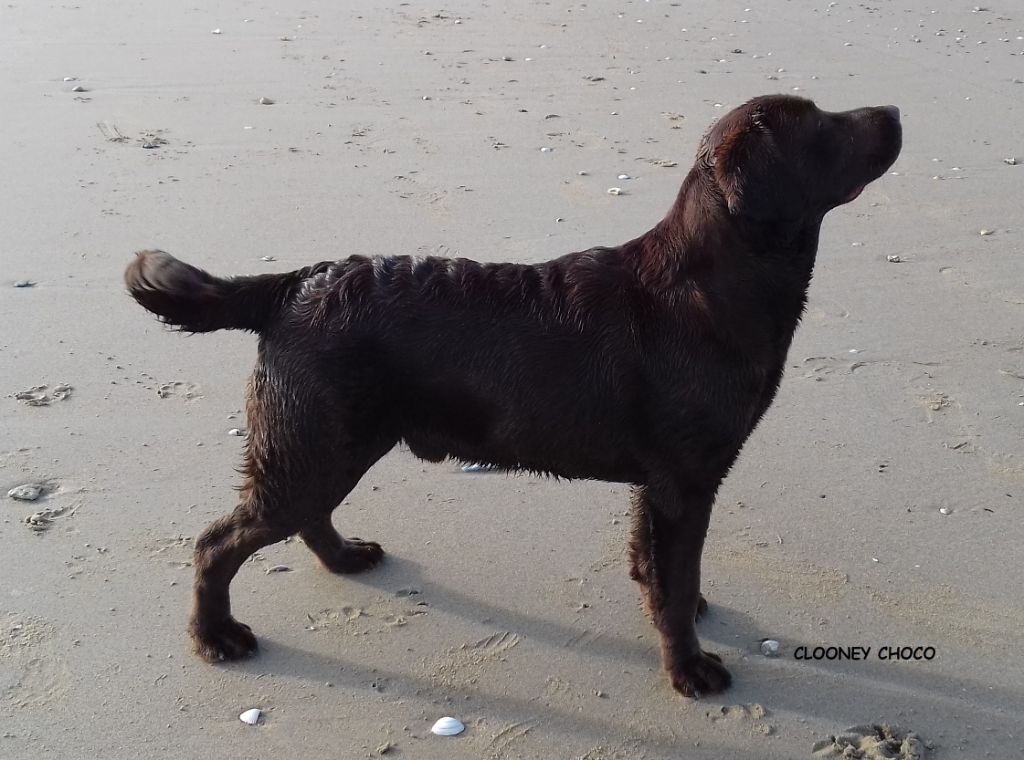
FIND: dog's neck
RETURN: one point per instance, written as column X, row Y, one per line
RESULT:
column 700, row 247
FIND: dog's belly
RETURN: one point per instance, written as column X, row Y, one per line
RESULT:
column 588, row 464
column 567, row 441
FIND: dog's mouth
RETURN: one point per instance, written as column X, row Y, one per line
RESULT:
column 855, row 194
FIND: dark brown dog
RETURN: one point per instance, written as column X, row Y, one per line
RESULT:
column 647, row 364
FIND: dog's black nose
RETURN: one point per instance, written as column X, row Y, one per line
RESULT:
column 892, row 111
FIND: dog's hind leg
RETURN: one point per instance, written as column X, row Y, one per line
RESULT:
column 280, row 498
column 293, row 481
column 337, row 553
column 219, row 553
column 349, row 462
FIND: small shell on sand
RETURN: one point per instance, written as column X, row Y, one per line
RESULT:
column 447, row 727
column 614, row 191
column 251, row 717
column 24, row 284
column 78, row 88
column 266, row 102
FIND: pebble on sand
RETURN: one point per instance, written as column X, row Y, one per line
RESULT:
column 770, row 648
column 26, row 492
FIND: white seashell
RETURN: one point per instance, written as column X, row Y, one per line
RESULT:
column 266, row 101
column 614, row 191
column 945, row 511
column 251, row 717
column 447, row 727
column 1010, row 161
column 546, row 149
column 624, row 176
column 770, row 648
column 984, row 233
column 893, row 259
column 236, row 432
column 78, row 88
column 24, row 284
column 215, row 31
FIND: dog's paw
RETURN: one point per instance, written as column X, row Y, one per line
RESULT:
column 225, row 640
column 355, row 557
column 700, row 674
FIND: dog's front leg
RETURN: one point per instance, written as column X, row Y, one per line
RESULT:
column 679, row 514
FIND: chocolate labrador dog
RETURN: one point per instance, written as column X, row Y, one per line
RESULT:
column 649, row 363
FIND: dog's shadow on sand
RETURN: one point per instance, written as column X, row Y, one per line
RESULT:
column 836, row 694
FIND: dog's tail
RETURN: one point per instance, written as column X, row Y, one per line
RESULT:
column 195, row 301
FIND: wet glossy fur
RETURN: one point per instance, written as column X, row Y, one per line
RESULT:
column 649, row 363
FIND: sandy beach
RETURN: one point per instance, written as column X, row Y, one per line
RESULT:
column 879, row 504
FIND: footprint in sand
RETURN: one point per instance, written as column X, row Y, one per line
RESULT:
column 463, row 665
column 183, row 390
column 33, row 672
column 44, row 395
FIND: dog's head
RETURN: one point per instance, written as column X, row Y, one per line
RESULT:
column 781, row 158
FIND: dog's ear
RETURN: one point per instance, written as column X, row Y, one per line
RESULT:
column 752, row 174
